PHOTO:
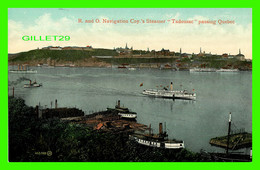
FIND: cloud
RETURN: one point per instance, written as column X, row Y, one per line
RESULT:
column 175, row 16
column 64, row 9
column 227, row 38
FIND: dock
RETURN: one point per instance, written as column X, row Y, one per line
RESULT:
column 57, row 112
column 108, row 121
column 236, row 141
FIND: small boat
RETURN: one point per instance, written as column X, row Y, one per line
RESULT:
column 129, row 115
column 171, row 94
column 131, row 68
column 34, row 84
column 157, row 140
column 121, row 67
column 203, row 70
column 123, row 112
column 227, row 70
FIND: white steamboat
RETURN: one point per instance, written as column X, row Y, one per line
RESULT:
column 157, row 140
column 172, row 94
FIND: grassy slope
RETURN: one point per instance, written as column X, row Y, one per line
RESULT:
column 63, row 55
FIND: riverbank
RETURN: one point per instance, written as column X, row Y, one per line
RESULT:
column 110, row 58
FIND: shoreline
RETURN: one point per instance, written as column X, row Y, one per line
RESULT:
column 116, row 67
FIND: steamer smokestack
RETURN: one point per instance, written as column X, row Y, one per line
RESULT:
column 56, row 104
column 171, row 86
column 118, row 103
column 160, row 129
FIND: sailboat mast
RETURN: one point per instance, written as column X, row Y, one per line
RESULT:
column 150, row 129
column 229, row 128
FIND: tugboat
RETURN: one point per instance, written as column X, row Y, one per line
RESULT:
column 172, row 94
column 124, row 112
column 157, row 140
column 32, row 84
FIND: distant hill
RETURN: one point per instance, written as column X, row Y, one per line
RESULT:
column 83, row 58
column 59, row 55
column 10, row 56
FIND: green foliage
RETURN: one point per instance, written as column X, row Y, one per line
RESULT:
column 20, row 129
column 31, row 138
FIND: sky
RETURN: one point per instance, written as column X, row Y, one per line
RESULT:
column 211, row 38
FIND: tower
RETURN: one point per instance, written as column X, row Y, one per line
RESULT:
column 126, row 46
column 200, row 50
column 180, row 50
column 239, row 51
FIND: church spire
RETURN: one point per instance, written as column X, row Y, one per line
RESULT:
column 126, row 46
column 180, row 50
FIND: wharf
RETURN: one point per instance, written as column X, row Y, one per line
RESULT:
column 107, row 121
column 237, row 141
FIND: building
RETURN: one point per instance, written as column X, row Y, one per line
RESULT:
column 88, row 47
column 225, row 55
column 164, row 52
column 240, row 56
column 201, row 54
column 125, row 50
column 55, row 48
column 52, row 48
column 186, row 55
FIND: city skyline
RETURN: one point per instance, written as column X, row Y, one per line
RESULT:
column 214, row 38
column 199, row 51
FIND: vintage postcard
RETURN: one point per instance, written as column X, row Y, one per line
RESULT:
column 130, row 84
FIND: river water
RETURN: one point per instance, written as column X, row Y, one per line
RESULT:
column 195, row 122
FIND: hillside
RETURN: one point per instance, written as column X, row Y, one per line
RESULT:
column 65, row 55
column 83, row 58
